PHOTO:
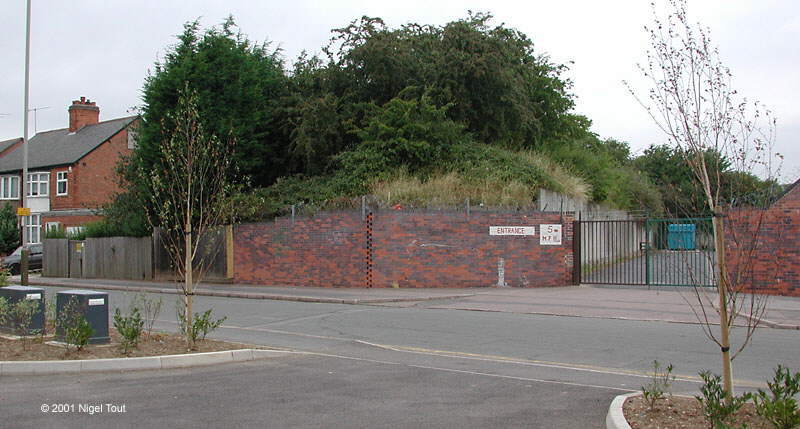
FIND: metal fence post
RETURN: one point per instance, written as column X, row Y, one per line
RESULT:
column 363, row 207
column 576, row 252
column 647, row 267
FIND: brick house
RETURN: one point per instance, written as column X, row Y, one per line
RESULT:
column 71, row 171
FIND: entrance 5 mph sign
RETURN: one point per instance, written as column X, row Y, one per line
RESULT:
column 549, row 234
column 512, row 230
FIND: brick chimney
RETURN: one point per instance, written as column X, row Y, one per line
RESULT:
column 83, row 112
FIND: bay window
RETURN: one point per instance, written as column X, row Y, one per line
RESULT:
column 33, row 229
column 37, row 184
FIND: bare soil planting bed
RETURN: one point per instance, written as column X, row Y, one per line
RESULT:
column 682, row 412
column 156, row 344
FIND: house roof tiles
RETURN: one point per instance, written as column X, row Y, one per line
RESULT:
column 60, row 147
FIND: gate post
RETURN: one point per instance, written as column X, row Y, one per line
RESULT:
column 647, row 267
column 576, row 252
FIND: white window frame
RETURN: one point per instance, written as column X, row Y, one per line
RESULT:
column 52, row 226
column 7, row 189
column 132, row 139
column 33, row 229
column 61, row 177
column 41, row 182
column 73, row 230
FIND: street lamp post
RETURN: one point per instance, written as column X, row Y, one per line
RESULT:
column 24, row 179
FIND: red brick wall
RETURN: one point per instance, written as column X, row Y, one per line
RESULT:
column 450, row 249
column 763, row 247
column 328, row 249
column 406, row 249
column 92, row 181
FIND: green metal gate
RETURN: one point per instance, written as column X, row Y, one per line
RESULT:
column 648, row 252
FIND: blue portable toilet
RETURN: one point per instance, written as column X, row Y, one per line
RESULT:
column 681, row 236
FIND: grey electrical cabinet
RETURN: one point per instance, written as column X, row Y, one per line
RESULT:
column 93, row 305
column 14, row 294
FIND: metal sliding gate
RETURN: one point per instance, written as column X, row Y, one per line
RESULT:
column 651, row 252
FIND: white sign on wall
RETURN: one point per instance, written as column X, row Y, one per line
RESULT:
column 512, row 230
column 549, row 235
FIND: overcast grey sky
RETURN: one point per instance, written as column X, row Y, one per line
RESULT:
column 103, row 49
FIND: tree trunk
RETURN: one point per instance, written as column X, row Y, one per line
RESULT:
column 722, row 289
column 189, row 288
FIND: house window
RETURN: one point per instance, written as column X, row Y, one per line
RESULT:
column 74, row 230
column 37, row 184
column 61, row 183
column 9, row 188
column 131, row 139
column 33, row 229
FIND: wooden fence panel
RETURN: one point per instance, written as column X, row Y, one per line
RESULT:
column 55, row 257
column 75, row 259
column 213, row 255
column 119, row 258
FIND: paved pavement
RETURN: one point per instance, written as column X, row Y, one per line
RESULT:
column 669, row 304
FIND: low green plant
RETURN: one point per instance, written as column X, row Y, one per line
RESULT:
column 20, row 315
column 55, row 233
column 202, row 324
column 72, row 326
column 78, row 234
column 718, row 405
column 660, row 383
column 150, row 308
column 50, row 312
column 129, row 327
column 4, row 309
column 5, row 273
column 779, row 405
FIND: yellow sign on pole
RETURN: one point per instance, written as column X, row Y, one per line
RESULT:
column 23, row 211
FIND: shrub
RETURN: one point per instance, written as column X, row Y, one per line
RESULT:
column 129, row 328
column 5, row 273
column 73, row 327
column 779, row 406
column 718, row 405
column 20, row 315
column 9, row 230
column 660, row 383
column 50, row 312
column 150, row 307
column 79, row 234
column 55, row 233
column 202, row 324
column 4, row 308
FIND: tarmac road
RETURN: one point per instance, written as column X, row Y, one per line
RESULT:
column 376, row 366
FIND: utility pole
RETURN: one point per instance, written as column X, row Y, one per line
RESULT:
column 24, row 179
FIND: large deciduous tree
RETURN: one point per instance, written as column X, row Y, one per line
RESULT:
column 495, row 83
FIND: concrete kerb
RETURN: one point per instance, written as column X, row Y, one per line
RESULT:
column 134, row 364
column 615, row 419
column 249, row 295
